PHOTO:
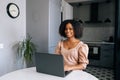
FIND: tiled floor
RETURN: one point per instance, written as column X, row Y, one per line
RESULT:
column 101, row 73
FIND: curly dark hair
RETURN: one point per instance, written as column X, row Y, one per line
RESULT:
column 78, row 29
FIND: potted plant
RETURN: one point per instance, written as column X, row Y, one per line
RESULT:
column 26, row 48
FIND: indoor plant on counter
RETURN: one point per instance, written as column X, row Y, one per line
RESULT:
column 26, row 49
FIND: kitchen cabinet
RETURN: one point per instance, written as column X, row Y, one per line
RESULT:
column 107, row 55
column 103, row 56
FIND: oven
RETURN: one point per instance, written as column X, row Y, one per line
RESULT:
column 94, row 52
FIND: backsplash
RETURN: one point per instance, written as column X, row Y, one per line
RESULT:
column 100, row 33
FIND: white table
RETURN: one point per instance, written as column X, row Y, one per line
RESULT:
column 31, row 74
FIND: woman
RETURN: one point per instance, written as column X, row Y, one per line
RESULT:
column 73, row 50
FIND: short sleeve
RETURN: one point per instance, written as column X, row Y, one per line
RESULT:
column 58, row 48
column 83, row 55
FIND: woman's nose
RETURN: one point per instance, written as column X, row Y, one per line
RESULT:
column 67, row 30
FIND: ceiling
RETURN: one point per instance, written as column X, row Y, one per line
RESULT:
column 75, row 1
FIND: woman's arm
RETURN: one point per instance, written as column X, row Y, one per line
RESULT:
column 82, row 59
column 74, row 67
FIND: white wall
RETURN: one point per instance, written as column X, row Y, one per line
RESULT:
column 67, row 10
column 43, row 20
column 11, row 31
column 54, row 23
column 37, row 22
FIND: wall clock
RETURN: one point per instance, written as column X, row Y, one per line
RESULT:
column 13, row 10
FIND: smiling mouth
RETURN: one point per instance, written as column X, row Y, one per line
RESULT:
column 68, row 34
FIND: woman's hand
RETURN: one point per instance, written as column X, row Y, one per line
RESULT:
column 74, row 67
column 67, row 68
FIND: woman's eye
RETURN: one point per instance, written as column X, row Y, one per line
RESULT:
column 68, row 29
column 71, row 29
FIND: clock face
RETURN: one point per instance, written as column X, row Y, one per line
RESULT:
column 13, row 10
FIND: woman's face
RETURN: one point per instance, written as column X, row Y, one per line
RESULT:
column 69, row 31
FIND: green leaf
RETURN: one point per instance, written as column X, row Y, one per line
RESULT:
column 26, row 48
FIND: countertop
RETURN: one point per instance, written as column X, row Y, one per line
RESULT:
column 99, row 42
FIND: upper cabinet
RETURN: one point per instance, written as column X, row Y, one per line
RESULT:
column 94, row 11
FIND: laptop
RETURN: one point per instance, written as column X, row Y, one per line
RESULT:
column 50, row 64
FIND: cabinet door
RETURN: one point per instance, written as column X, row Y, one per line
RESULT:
column 94, row 62
column 107, row 56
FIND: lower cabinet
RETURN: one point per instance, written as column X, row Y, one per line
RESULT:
column 101, row 55
column 107, row 56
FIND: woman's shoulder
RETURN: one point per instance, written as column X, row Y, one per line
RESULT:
column 83, row 48
column 60, row 43
column 82, row 44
